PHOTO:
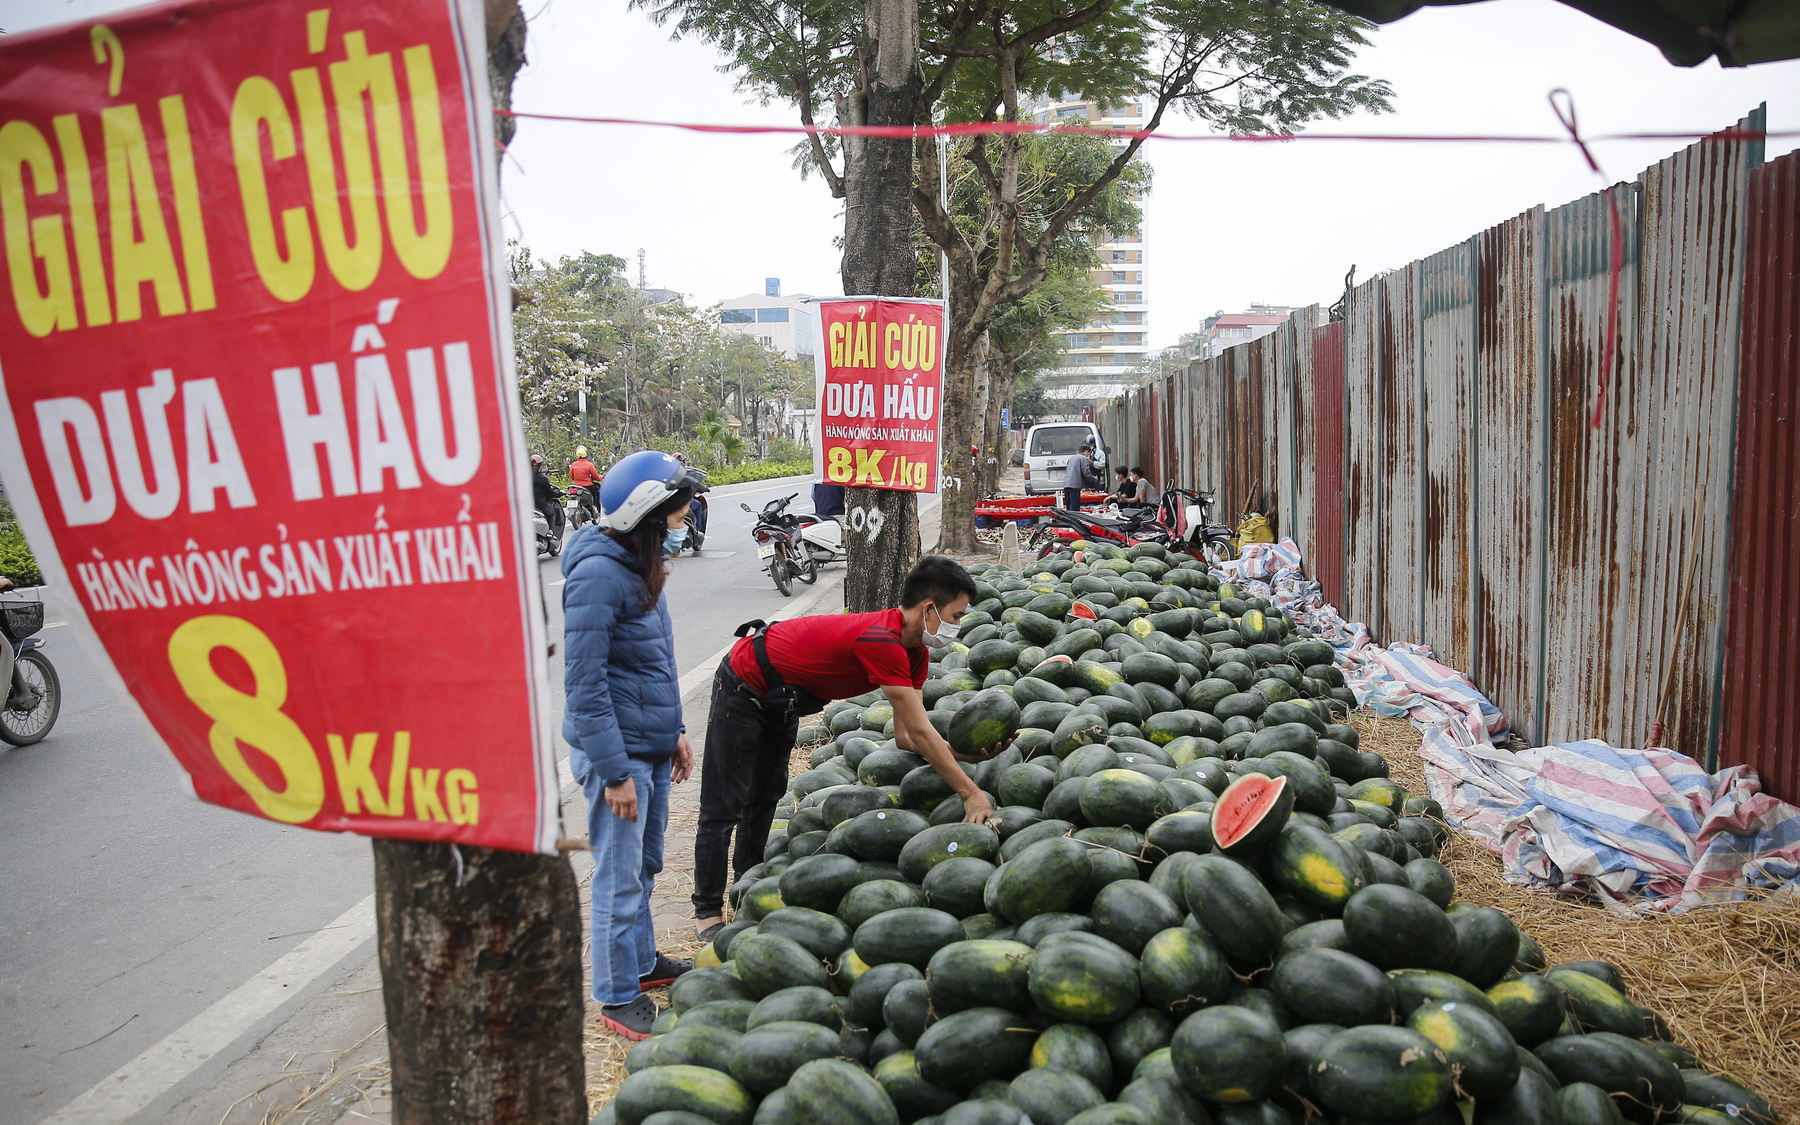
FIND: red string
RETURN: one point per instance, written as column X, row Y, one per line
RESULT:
column 1565, row 113
column 1001, row 128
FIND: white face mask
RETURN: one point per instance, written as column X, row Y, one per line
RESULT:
column 945, row 635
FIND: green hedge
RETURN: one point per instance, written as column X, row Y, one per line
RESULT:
column 16, row 560
column 759, row 470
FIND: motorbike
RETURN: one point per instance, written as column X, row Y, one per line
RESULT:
column 794, row 546
column 548, row 542
column 34, row 697
column 582, row 506
column 1123, row 531
column 1190, row 525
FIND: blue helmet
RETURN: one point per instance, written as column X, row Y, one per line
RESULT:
column 638, row 483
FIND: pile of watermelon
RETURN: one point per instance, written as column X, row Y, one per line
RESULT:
column 1199, row 901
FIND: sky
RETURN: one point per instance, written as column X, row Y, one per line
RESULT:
column 1227, row 224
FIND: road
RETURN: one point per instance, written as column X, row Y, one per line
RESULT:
column 129, row 908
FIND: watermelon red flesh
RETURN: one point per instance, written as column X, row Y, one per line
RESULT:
column 1251, row 812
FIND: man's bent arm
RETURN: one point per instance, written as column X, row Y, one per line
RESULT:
column 914, row 732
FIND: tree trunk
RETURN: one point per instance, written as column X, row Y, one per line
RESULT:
column 481, row 979
column 879, row 261
column 993, row 447
column 480, row 950
column 963, row 365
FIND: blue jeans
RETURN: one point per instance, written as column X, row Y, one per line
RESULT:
column 627, row 857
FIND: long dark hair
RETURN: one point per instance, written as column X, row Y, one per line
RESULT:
column 646, row 542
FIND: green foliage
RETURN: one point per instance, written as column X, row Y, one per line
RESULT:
column 760, row 470
column 787, row 449
column 650, row 371
column 19, row 564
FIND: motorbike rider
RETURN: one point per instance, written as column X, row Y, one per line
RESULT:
column 545, row 496
column 6, row 656
column 583, row 474
column 697, row 506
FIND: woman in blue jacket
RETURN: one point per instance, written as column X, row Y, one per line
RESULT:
column 627, row 742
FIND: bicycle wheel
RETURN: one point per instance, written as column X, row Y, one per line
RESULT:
column 22, row 728
column 778, row 570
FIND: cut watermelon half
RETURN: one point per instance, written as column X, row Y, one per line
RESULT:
column 1082, row 609
column 1251, row 813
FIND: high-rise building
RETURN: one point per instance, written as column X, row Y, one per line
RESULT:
column 1098, row 356
column 785, row 324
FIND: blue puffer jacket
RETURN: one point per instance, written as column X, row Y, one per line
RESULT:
column 618, row 662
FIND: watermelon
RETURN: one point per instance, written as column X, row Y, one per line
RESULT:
column 1115, row 797
column 1477, row 1045
column 962, row 1050
column 910, row 934
column 897, row 1074
column 1050, row 875
column 946, row 841
column 1399, row 928
column 1487, row 943
column 1530, row 1006
column 767, row 1056
column 1251, row 813
column 1181, row 970
column 1315, row 868
column 710, row 1094
column 1382, row 1074
column 836, row 1091
column 1229, row 1054
column 1084, row 982
column 1323, row 985
column 819, row 933
column 981, row 973
column 982, row 724
column 869, row 994
column 768, row 962
column 1234, row 908
column 1053, row 1096
column 1076, row 1049
column 1129, row 913
column 865, row 900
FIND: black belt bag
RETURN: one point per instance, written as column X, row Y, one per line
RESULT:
column 778, row 696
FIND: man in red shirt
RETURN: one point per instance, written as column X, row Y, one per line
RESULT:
column 816, row 659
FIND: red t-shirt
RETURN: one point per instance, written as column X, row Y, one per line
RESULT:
column 836, row 655
column 583, row 472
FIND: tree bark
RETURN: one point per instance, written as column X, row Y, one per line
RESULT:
column 963, row 366
column 506, row 54
column 481, row 979
column 879, row 261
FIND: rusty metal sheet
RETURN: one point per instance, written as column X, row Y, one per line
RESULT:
column 1691, row 278
column 1594, row 475
column 1269, row 500
column 1508, row 468
column 1399, row 452
column 1301, row 462
column 1447, row 439
column 1364, row 472
column 1326, row 559
column 1764, row 606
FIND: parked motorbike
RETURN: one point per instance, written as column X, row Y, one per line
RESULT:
column 1190, row 525
column 1124, row 531
column 548, row 542
column 794, row 546
column 34, row 697
column 582, row 506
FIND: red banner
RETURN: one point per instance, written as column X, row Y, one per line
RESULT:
column 258, row 415
column 880, row 367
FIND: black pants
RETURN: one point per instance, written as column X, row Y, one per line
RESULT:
column 743, row 774
column 1072, row 499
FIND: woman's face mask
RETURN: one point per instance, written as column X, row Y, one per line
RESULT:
column 945, row 632
column 675, row 538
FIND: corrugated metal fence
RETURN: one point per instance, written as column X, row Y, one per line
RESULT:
column 1432, row 455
